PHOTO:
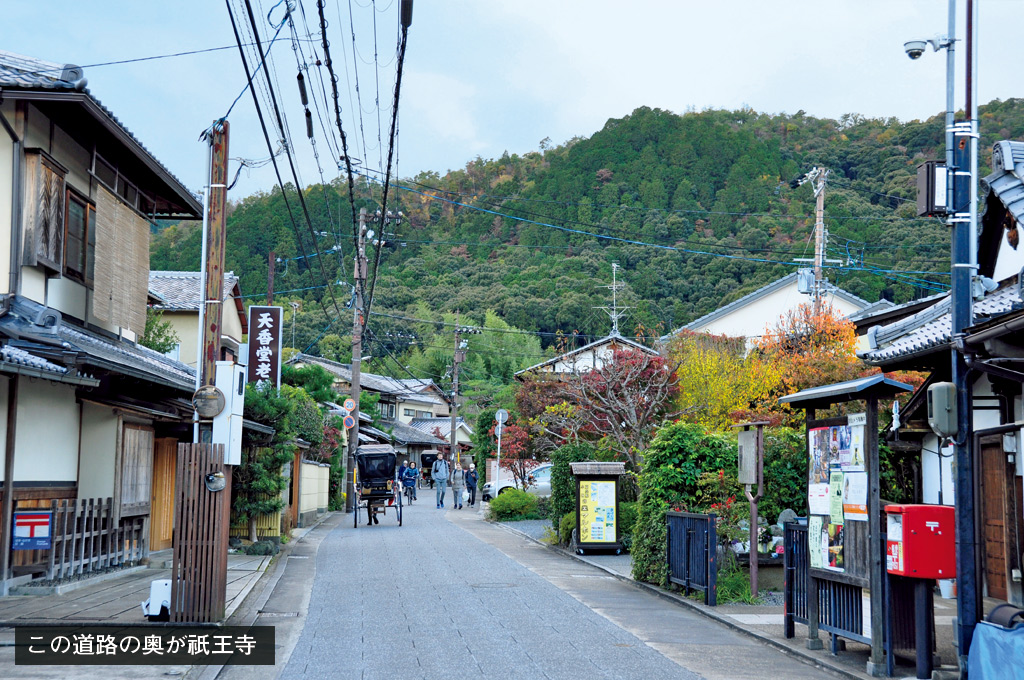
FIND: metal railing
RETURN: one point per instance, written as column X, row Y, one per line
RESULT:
column 693, row 553
column 795, row 563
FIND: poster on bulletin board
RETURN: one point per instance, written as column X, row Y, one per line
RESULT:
column 597, row 512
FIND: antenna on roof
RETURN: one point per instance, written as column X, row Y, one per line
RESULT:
column 615, row 312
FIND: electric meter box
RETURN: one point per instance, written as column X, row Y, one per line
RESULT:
column 931, row 189
column 920, row 541
column 942, row 414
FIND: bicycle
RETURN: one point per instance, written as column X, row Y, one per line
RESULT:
column 409, row 494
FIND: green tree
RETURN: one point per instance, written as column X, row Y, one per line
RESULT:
column 159, row 335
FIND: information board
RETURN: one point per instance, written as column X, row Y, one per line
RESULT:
column 597, row 512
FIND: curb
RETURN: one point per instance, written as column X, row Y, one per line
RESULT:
column 62, row 588
column 675, row 599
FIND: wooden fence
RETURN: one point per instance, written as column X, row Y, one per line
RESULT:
column 86, row 537
column 202, row 519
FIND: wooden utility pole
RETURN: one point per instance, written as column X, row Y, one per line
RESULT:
column 460, row 356
column 213, row 295
column 357, row 356
column 271, row 262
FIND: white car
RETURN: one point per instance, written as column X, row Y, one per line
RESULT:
column 540, row 483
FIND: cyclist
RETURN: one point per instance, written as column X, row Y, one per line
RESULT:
column 409, row 481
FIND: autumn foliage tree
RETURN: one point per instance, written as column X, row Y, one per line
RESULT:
column 812, row 347
column 719, row 382
column 623, row 402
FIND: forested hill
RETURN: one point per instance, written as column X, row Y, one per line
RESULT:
column 696, row 208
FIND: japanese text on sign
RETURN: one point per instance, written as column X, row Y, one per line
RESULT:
column 84, row 645
column 265, row 345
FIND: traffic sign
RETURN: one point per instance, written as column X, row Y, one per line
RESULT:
column 501, row 416
column 349, row 421
column 498, row 429
column 349, row 404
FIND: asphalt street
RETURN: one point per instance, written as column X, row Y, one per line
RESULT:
column 450, row 596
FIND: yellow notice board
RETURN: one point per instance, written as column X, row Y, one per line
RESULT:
column 597, row 512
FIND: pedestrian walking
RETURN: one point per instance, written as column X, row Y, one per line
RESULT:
column 471, row 481
column 440, row 472
column 458, row 480
column 401, row 471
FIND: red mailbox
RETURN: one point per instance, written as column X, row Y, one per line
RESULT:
column 920, row 541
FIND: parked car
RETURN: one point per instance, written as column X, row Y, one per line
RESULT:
column 540, row 483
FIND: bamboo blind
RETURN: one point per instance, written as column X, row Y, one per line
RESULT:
column 122, row 264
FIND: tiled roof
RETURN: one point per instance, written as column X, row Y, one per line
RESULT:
column 405, row 388
column 18, row 72
column 931, row 328
column 182, row 291
column 407, row 434
column 596, row 343
column 1007, row 182
column 94, row 349
column 444, row 425
column 13, row 355
column 778, row 284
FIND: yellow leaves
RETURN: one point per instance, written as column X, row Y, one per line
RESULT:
column 716, row 378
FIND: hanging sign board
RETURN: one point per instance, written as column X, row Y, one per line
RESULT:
column 265, row 330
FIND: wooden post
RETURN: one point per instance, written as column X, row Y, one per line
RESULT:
column 813, row 641
column 7, row 513
column 876, row 666
column 271, row 262
column 213, row 287
column 759, row 478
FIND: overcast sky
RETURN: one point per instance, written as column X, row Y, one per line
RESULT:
column 485, row 76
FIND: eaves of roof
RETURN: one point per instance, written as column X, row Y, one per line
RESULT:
column 609, row 339
column 18, row 81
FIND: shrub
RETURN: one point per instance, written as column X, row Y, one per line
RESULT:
column 627, row 517
column 263, row 547
column 514, row 505
column 566, row 525
column 543, row 507
column 673, row 464
column 785, row 472
column 563, row 485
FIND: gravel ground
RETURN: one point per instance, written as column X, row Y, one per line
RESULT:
column 534, row 528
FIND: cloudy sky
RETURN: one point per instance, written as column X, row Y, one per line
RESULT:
column 485, row 76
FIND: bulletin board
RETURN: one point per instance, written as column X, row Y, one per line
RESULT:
column 837, row 500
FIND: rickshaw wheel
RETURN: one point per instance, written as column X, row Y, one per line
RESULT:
column 355, row 515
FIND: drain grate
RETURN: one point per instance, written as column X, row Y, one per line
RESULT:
column 493, row 585
column 278, row 614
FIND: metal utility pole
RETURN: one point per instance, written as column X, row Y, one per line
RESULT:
column 271, row 262
column 357, row 356
column 964, row 222
column 615, row 312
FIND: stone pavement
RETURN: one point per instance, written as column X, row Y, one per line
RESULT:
column 448, row 595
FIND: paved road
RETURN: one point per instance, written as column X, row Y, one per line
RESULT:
column 449, row 596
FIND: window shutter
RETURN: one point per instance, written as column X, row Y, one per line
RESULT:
column 43, row 211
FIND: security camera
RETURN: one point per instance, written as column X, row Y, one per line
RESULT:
column 915, row 48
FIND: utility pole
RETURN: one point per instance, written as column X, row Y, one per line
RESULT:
column 819, row 176
column 357, row 356
column 213, row 265
column 271, row 261
column 460, row 356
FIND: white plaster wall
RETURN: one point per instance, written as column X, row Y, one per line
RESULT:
column 5, row 382
column 231, row 324
column 930, row 465
column 33, row 284
column 186, row 325
column 6, row 198
column 37, row 133
column 47, row 436
column 309, row 486
column 98, row 452
column 751, row 320
column 76, row 158
column 67, row 296
column 415, row 405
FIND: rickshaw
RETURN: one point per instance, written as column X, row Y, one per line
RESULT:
column 375, row 483
column 426, row 463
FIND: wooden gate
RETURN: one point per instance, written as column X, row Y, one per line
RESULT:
column 202, row 518
column 994, row 500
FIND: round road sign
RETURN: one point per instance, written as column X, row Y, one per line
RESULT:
column 349, row 404
column 501, row 416
column 350, row 422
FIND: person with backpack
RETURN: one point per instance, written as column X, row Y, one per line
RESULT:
column 440, row 472
column 458, row 480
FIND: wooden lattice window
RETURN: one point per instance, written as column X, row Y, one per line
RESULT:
column 79, row 238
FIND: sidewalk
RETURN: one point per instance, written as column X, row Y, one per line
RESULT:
column 763, row 622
